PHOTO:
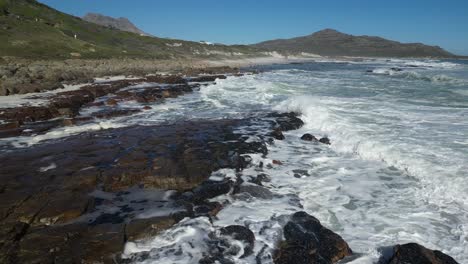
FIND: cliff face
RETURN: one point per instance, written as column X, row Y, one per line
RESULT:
column 330, row 42
column 121, row 23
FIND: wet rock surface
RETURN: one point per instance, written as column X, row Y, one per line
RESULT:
column 416, row 254
column 307, row 241
column 309, row 137
column 287, row 121
column 63, row 106
column 240, row 233
column 325, row 140
column 75, row 194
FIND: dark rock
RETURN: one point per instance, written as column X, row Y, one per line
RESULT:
column 309, row 137
column 71, row 244
column 277, row 162
column 260, row 178
column 207, row 78
column 417, row 254
column 243, row 234
column 325, row 140
column 287, row 121
column 69, row 103
column 111, row 102
column 209, row 209
column 139, row 229
column 211, row 189
column 167, row 79
column 307, row 241
column 39, row 202
column 256, row 191
column 301, row 173
column 277, row 134
column 109, row 113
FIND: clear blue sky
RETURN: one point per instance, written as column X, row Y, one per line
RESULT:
column 441, row 22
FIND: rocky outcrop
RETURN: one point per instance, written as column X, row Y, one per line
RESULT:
column 64, row 107
column 307, row 241
column 312, row 138
column 48, row 211
column 416, row 254
column 21, row 76
column 120, row 23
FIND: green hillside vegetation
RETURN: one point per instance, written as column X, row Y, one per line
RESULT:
column 29, row 29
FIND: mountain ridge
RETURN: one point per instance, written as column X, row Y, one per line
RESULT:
column 330, row 42
column 121, row 23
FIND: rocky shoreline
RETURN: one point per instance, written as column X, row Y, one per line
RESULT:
column 20, row 76
column 80, row 199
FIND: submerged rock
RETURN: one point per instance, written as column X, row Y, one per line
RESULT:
column 309, row 137
column 325, row 140
column 307, row 241
column 243, row 234
column 277, row 134
column 256, row 191
column 416, row 254
column 287, row 121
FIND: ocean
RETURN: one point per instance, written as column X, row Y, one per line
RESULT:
column 396, row 170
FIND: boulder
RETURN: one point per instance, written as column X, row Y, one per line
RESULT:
column 325, row 140
column 277, row 134
column 307, row 241
column 309, row 137
column 416, row 254
column 287, row 121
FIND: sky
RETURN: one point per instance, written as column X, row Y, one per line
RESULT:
column 434, row 22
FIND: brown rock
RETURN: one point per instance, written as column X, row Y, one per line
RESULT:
column 111, row 102
column 277, row 134
column 417, row 254
column 307, row 241
column 277, row 162
column 309, row 137
column 139, row 229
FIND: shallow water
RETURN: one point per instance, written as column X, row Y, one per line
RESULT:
column 396, row 171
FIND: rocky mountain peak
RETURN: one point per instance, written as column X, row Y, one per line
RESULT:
column 120, row 23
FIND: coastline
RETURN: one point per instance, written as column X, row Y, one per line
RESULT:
column 21, row 76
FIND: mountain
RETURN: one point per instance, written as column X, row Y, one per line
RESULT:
column 121, row 23
column 330, row 42
column 30, row 29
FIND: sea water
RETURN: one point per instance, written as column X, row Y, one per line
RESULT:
column 396, row 172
